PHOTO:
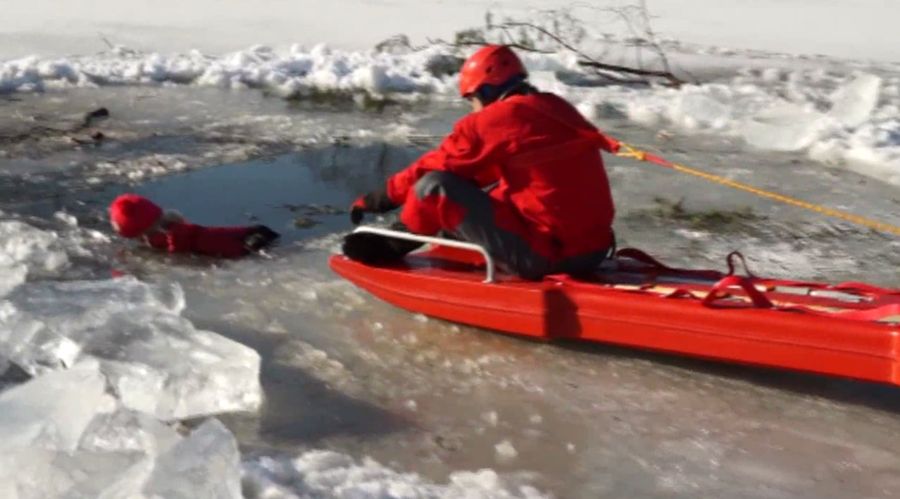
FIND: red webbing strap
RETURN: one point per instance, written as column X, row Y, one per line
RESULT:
column 736, row 255
column 862, row 287
column 760, row 300
column 875, row 314
column 642, row 257
column 681, row 293
column 719, row 290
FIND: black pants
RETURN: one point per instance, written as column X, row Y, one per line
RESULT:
column 478, row 225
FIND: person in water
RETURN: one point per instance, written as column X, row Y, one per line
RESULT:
column 550, row 209
column 134, row 216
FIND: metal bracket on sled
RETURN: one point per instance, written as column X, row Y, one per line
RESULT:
column 439, row 241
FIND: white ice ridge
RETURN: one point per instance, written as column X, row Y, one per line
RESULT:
column 62, row 435
column 836, row 115
column 157, row 361
column 845, row 119
column 287, row 74
column 321, row 473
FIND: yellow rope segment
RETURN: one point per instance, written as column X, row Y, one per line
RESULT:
column 630, row 152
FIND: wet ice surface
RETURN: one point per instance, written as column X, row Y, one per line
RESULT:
column 364, row 378
column 345, row 376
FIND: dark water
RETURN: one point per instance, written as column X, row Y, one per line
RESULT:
column 300, row 195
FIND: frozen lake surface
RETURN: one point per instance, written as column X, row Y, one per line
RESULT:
column 129, row 373
column 344, row 376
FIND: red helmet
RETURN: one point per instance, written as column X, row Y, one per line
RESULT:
column 131, row 215
column 491, row 65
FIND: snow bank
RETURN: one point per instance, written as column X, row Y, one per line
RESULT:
column 331, row 474
column 295, row 73
column 839, row 119
column 837, row 116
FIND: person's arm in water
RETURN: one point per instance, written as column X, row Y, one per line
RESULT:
column 223, row 242
column 463, row 153
column 136, row 217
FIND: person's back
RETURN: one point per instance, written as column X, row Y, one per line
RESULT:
column 550, row 171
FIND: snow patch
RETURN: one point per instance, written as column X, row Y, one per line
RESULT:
column 849, row 120
column 490, row 418
column 25, row 250
column 505, row 451
column 331, row 474
column 294, row 73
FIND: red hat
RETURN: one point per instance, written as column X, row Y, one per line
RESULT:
column 491, row 65
column 131, row 215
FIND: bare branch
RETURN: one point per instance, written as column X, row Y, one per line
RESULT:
column 564, row 31
column 517, row 46
column 588, row 61
column 106, row 41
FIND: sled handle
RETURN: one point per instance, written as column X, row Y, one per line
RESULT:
column 440, row 241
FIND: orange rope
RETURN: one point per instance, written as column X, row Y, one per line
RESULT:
column 627, row 151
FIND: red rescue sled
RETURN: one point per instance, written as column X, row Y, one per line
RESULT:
column 849, row 329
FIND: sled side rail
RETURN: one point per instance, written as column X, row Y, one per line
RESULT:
column 439, row 241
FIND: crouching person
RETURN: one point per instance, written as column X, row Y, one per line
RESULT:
column 550, row 209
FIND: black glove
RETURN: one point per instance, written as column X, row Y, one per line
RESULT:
column 373, row 202
column 259, row 236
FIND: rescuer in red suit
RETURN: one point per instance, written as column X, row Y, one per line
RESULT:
column 134, row 216
column 550, row 208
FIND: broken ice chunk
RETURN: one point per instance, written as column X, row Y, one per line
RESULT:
column 156, row 361
column 206, row 464
column 53, row 410
column 854, row 102
column 321, row 473
column 784, row 127
column 34, row 473
column 128, row 431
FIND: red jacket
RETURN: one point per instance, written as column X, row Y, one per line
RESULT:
column 227, row 242
column 545, row 156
